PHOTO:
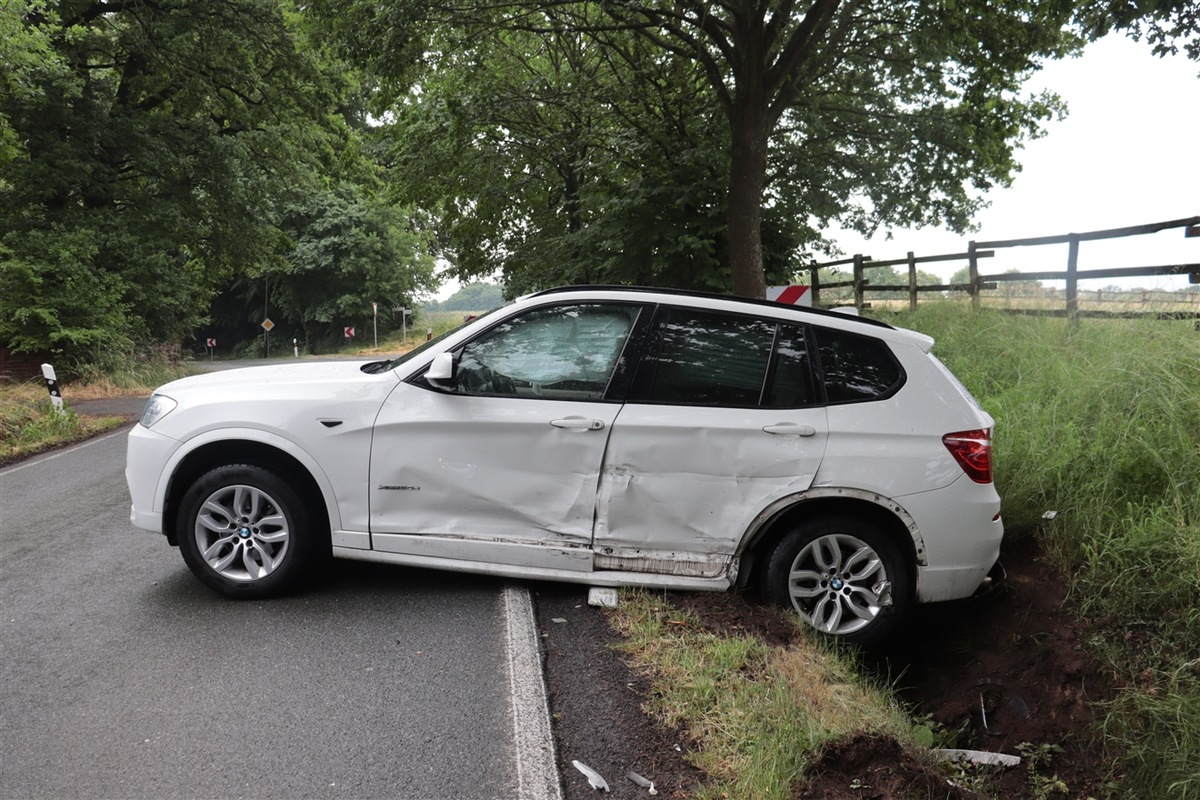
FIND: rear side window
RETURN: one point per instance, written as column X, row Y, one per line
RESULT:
column 710, row 359
column 856, row 368
column 707, row 359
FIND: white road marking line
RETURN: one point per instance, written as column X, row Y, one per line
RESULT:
column 537, row 768
column 35, row 460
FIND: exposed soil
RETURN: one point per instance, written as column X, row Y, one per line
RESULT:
column 992, row 674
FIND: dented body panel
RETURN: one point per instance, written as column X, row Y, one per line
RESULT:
column 688, row 482
column 489, row 468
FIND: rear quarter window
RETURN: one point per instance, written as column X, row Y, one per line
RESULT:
column 856, row 368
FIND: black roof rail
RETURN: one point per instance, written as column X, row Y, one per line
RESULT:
column 708, row 295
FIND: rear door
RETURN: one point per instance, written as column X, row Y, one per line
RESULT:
column 723, row 419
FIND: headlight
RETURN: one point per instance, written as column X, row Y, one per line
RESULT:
column 157, row 407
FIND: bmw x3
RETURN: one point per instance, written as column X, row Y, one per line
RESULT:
column 606, row 436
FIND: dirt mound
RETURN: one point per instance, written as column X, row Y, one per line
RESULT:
column 871, row 767
column 1005, row 673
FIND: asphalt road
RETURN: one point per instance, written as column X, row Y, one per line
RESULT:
column 123, row 677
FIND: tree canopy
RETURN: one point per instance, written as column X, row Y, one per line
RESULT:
column 149, row 150
column 758, row 122
column 167, row 165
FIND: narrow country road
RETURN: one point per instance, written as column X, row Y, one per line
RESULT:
column 123, row 677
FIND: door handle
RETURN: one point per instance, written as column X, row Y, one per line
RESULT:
column 578, row 424
column 790, row 429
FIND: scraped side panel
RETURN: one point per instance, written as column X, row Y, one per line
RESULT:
column 681, row 485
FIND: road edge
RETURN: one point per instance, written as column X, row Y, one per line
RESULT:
column 537, row 763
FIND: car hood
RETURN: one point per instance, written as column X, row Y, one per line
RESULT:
column 275, row 375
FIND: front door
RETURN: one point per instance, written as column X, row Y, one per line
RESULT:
column 503, row 463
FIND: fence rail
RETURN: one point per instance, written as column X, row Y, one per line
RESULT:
column 979, row 283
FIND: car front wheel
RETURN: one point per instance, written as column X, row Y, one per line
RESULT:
column 244, row 532
column 844, row 577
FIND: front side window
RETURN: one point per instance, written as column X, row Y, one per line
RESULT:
column 562, row 352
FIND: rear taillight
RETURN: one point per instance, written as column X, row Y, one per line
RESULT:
column 973, row 452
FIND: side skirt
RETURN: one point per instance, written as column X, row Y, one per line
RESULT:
column 601, row 578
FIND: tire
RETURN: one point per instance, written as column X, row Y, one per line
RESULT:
column 844, row 577
column 245, row 532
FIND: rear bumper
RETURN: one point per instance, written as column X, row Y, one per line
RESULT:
column 962, row 529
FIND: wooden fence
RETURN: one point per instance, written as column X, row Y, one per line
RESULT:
column 980, row 283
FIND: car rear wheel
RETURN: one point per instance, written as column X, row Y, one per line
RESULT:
column 245, row 532
column 844, row 577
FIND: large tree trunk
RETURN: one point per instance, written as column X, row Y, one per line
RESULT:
column 747, row 174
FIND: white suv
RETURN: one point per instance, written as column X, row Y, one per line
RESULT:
column 607, row 436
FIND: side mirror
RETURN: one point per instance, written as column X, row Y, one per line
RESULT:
column 441, row 371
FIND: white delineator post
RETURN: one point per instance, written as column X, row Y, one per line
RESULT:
column 52, row 386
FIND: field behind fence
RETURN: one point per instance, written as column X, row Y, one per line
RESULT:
column 1020, row 291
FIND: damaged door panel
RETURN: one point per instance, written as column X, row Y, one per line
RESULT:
column 654, row 515
column 491, row 469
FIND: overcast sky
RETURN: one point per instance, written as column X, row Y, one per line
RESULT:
column 1128, row 153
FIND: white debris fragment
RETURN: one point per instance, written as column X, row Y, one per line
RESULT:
column 559, row 620
column 979, row 757
column 642, row 782
column 595, row 779
column 1050, row 515
column 602, row 597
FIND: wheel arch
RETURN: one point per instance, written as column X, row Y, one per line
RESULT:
column 775, row 521
column 222, row 452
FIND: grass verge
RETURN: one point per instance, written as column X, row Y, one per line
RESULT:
column 28, row 428
column 29, row 424
column 756, row 712
column 1100, row 424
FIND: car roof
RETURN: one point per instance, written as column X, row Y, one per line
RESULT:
column 685, row 293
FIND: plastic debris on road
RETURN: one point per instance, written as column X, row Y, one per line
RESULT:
column 595, row 779
column 645, row 783
column 979, row 757
column 602, row 596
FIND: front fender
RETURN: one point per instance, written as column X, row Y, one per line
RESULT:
column 226, row 436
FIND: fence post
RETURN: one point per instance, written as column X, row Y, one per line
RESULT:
column 858, row 281
column 815, row 274
column 912, row 281
column 1073, row 278
column 973, row 267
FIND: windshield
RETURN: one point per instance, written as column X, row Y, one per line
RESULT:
column 382, row 366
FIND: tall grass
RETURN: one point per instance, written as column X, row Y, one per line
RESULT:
column 1100, row 423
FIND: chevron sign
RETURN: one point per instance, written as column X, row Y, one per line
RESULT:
column 792, row 295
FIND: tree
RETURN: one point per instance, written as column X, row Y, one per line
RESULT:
column 474, row 296
column 552, row 161
column 157, row 148
column 25, row 50
column 348, row 253
column 863, row 112
column 1165, row 24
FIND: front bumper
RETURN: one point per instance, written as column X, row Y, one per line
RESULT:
column 146, row 457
